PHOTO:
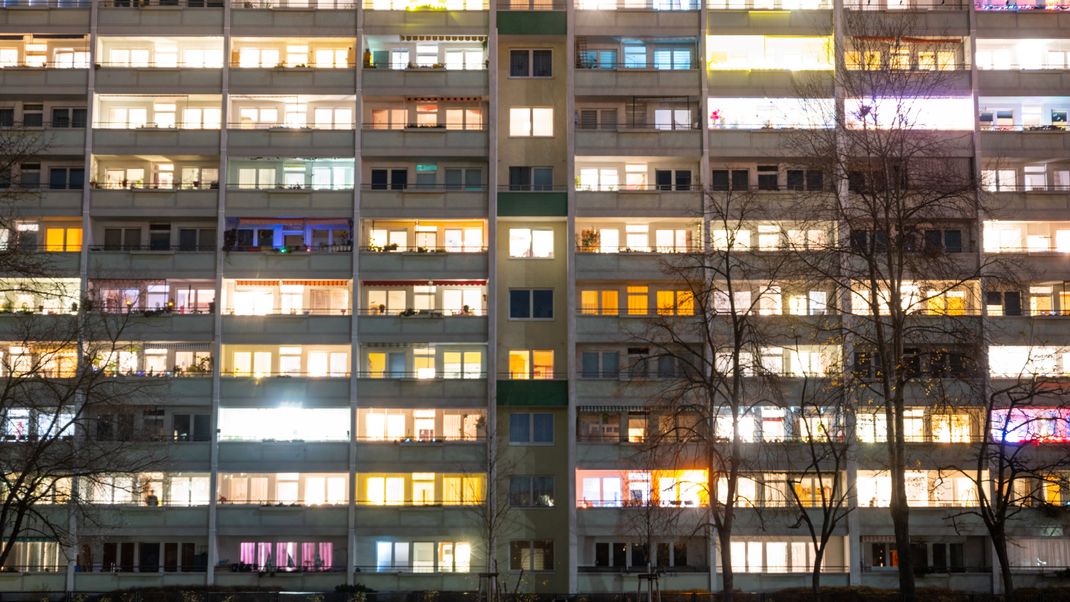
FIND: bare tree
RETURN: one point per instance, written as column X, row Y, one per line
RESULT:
column 1013, row 460
column 899, row 196
column 58, row 377
column 714, row 345
column 820, row 455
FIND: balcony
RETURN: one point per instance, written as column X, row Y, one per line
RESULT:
column 63, row 141
column 291, row 142
column 632, row 265
column 417, row 393
column 423, row 142
column 431, row 327
column 1021, row 81
column 29, row 81
column 284, row 456
column 300, row 263
column 271, row 391
column 639, row 203
column 425, row 202
column 637, row 22
column 148, row 263
column 424, row 82
column 160, row 202
column 287, row 201
column 304, row 521
column 160, row 521
column 771, row 83
column 292, row 80
column 995, row 18
column 162, row 326
column 603, row 81
column 1017, row 142
column 432, row 456
column 428, row 265
column 254, row 17
column 147, row 17
column 743, row 18
column 452, row 22
column 416, row 518
column 159, row 80
column 45, row 202
column 155, row 140
column 642, row 140
column 54, row 17
column 309, row 329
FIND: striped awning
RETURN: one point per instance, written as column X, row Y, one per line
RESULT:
column 424, row 282
column 333, row 283
column 612, row 409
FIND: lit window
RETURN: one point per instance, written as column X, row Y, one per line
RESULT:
column 527, row 122
column 528, row 243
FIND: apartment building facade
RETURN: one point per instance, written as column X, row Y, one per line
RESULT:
column 365, row 237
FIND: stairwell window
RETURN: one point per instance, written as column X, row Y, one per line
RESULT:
column 531, row 122
column 531, row 243
column 530, row 63
column 528, row 555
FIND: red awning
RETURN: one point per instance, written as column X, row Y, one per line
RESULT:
column 424, row 282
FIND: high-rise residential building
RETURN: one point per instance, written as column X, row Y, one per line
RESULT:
column 365, row 237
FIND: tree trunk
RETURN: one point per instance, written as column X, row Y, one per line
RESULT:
column 727, row 578
column 900, row 516
column 999, row 542
column 815, row 578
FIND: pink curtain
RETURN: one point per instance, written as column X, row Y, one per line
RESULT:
column 248, row 552
column 263, row 554
column 308, row 556
column 326, row 555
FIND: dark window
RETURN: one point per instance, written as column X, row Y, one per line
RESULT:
column 66, row 178
column 953, row 241
column 519, row 63
column 201, row 427
column 519, row 178
column 663, row 179
column 796, row 179
column 525, row 304
column 33, row 116
column 379, row 179
column 523, row 177
column 530, row 63
column 719, row 180
column 520, row 304
column 527, row 427
column 531, row 491
column 149, row 557
column 542, row 178
column 399, row 179
column 740, row 179
column 541, row 63
column 683, row 179
column 7, row 117
column 159, row 237
column 30, row 175
column 183, row 427
column 767, row 177
column 187, row 239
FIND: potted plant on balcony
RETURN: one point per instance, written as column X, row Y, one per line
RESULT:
column 590, row 238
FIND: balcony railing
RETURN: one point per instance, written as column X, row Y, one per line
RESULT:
column 637, row 125
column 1033, row 6
column 289, row 249
column 416, row 375
column 640, row 187
column 297, row 311
column 526, row 5
column 413, row 249
column 605, row 66
column 41, row 125
column 153, row 125
column 45, row 64
column 287, row 187
column 45, row 3
column 150, row 186
column 415, row 187
column 421, row 313
column 905, row 5
column 291, row 127
column 639, row 5
column 415, row 127
column 294, row 4
column 988, row 127
column 769, row 4
column 167, row 248
column 281, row 374
column 162, row 3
